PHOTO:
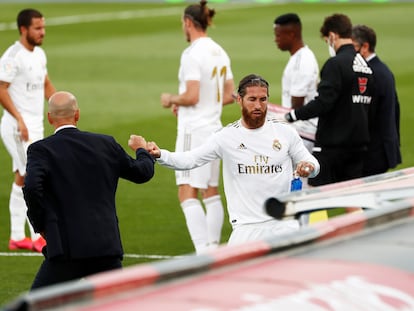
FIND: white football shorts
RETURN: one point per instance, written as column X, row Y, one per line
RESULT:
column 201, row 177
column 15, row 146
column 259, row 231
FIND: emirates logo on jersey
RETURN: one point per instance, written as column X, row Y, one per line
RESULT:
column 362, row 83
column 276, row 145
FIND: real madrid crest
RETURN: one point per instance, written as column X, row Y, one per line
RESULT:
column 277, row 145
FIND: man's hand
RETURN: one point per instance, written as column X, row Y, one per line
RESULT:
column 22, row 129
column 153, row 149
column 135, row 142
column 166, row 100
column 304, row 169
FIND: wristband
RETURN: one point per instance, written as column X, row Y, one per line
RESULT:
column 289, row 117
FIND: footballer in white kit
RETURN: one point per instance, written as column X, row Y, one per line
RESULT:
column 301, row 74
column 204, row 61
column 24, row 86
column 300, row 79
column 205, row 85
column 25, row 71
column 259, row 157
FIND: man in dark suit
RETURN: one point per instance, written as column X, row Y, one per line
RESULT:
column 384, row 148
column 70, row 189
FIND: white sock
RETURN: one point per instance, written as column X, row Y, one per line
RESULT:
column 215, row 217
column 33, row 234
column 196, row 223
column 17, row 207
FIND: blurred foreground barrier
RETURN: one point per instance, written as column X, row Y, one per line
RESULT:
column 393, row 208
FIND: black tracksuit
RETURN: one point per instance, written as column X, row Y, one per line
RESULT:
column 345, row 94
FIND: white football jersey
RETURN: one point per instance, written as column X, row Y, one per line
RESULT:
column 300, row 77
column 257, row 164
column 26, row 72
column 205, row 61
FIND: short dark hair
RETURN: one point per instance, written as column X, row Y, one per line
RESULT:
column 362, row 34
column 24, row 18
column 288, row 18
column 200, row 14
column 337, row 23
column 251, row 80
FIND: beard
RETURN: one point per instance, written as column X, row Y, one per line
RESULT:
column 252, row 120
column 32, row 41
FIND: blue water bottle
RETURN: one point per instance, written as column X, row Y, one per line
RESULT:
column 296, row 183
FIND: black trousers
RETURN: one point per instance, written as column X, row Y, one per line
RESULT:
column 58, row 271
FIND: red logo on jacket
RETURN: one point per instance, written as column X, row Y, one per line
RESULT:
column 362, row 83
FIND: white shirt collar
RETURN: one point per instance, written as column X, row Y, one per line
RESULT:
column 64, row 127
column 371, row 57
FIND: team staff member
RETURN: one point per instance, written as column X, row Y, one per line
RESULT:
column 24, row 85
column 70, row 188
column 258, row 155
column 301, row 74
column 205, row 84
column 345, row 94
column 384, row 147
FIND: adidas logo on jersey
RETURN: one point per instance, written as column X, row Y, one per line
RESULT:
column 360, row 65
column 241, row 147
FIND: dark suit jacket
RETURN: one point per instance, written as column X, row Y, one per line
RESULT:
column 72, row 177
column 384, row 148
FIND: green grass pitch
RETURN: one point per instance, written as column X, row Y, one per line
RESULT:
column 118, row 67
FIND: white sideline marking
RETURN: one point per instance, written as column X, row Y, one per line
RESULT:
column 122, row 15
column 151, row 256
column 34, row 254
column 99, row 17
column 20, row 254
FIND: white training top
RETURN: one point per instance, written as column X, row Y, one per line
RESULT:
column 205, row 61
column 26, row 72
column 257, row 165
column 300, row 77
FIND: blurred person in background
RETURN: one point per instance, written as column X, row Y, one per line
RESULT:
column 205, row 85
column 345, row 93
column 301, row 74
column 24, row 86
column 384, row 147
